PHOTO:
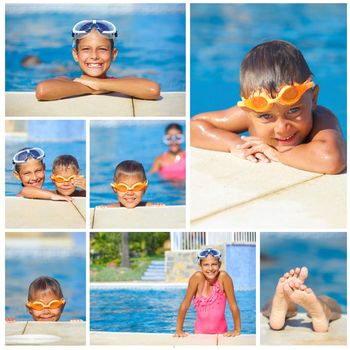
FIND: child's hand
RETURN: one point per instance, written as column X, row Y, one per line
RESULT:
column 92, row 83
column 59, row 197
column 241, row 153
column 80, row 181
column 10, row 319
column 150, row 204
column 76, row 321
column 181, row 334
column 233, row 333
column 254, row 145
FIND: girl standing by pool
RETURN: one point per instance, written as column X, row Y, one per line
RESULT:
column 209, row 289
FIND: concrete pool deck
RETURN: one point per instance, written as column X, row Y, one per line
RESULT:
column 298, row 331
column 36, row 213
column 24, row 104
column 112, row 338
column 45, row 333
column 243, row 195
column 169, row 217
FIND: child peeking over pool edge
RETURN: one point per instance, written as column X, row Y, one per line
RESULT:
column 210, row 288
column 45, row 300
column 279, row 109
column 66, row 178
column 129, row 184
column 94, row 50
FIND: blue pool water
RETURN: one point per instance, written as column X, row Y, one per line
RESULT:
column 55, row 138
column 222, row 34
column 67, row 265
column 115, row 141
column 323, row 253
column 151, row 41
column 154, row 310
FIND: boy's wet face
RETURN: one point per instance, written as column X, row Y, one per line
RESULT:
column 284, row 127
column 94, row 54
column 49, row 315
column 31, row 173
column 129, row 199
column 65, row 188
column 210, row 267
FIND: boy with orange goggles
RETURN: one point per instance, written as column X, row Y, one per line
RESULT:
column 279, row 109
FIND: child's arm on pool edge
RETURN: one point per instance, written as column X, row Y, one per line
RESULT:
column 231, row 299
column 219, row 131
column 325, row 153
column 191, row 290
column 131, row 86
column 38, row 193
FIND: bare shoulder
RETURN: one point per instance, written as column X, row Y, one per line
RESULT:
column 224, row 276
column 197, row 276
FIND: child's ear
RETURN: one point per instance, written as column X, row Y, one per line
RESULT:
column 114, row 54
column 75, row 54
column 315, row 92
column 29, row 309
column 16, row 174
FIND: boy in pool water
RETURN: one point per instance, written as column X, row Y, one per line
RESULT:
column 130, row 184
column 279, row 109
column 66, row 178
column 292, row 291
column 94, row 50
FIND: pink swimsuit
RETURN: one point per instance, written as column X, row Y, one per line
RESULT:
column 211, row 312
column 173, row 171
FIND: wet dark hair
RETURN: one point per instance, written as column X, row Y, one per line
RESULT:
column 45, row 283
column 17, row 166
column 65, row 161
column 271, row 64
column 130, row 167
column 173, row 126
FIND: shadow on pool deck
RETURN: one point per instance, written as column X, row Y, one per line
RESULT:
column 298, row 331
column 23, row 104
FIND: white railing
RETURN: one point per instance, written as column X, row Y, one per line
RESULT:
column 197, row 240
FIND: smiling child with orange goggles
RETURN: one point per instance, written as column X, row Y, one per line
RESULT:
column 260, row 101
column 122, row 187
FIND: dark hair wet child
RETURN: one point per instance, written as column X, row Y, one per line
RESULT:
column 279, row 109
column 130, row 184
column 94, row 50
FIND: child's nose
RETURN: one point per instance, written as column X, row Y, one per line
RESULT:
column 281, row 126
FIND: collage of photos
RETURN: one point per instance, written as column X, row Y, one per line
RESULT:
column 174, row 174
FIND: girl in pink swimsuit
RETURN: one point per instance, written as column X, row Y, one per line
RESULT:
column 171, row 165
column 210, row 288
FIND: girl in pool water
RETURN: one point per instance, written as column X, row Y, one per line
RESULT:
column 209, row 289
column 171, row 165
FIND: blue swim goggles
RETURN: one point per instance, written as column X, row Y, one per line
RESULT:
column 178, row 138
column 84, row 27
column 209, row 251
column 23, row 155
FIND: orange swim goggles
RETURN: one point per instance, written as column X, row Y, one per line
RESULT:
column 122, row 187
column 260, row 101
column 39, row 306
column 60, row 179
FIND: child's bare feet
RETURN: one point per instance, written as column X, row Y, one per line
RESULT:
column 281, row 306
column 319, row 312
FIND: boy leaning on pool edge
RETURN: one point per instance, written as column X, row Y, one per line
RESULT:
column 279, row 109
column 94, row 50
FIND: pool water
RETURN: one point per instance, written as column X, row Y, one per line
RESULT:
column 116, row 141
column 67, row 265
column 154, row 310
column 323, row 253
column 151, row 41
column 221, row 35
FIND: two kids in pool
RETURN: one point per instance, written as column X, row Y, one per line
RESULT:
column 279, row 109
column 210, row 288
column 94, row 50
column 45, row 300
column 29, row 168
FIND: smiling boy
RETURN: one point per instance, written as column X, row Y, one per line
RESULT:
column 94, row 51
column 279, row 109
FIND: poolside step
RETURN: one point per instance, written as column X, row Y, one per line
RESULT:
column 155, row 271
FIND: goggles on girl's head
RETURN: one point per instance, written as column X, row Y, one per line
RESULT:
column 208, row 251
column 169, row 139
column 260, row 101
column 62, row 179
column 122, row 187
column 39, row 306
column 105, row 28
column 23, row 155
